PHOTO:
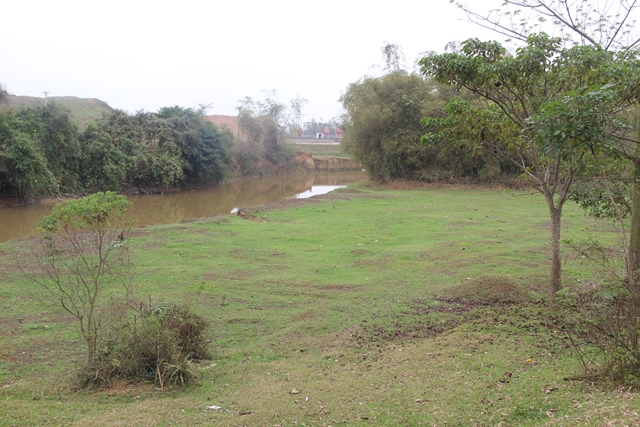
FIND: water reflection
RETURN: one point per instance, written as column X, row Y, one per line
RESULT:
column 171, row 208
column 317, row 190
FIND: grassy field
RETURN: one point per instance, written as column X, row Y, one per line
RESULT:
column 321, row 150
column 356, row 308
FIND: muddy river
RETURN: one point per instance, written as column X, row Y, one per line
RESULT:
column 170, row 208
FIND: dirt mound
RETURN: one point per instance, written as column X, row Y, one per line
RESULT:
column 487, row 290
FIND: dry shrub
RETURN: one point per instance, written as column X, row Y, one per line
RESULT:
column 157, row 344
column 607, row 339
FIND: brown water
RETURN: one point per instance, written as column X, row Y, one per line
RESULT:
column 171, row 208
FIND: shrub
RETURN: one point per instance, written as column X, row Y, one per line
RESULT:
column 157, row 344
column 81, row 255
column 608, row 344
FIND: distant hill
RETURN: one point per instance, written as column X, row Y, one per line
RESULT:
column 83, row 110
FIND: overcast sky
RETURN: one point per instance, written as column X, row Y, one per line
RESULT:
column 140, row 54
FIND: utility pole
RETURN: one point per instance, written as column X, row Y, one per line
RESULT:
column 45, row 97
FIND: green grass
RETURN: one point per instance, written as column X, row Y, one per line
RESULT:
column 340, row 300
column 319, row 150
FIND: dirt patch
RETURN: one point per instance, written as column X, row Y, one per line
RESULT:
column 364, row 263
column 405, row 328
column 304, row 316
column 487, row 290
column 122, row 387
column 216, row 219
column 242, row 320
column 340, row 288
column 138, row 232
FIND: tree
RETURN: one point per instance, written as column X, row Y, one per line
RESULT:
column 382, row 127
column 606, row 26
column 546, row 102
column 83, row 252
column 57, row 136
column 203, row 147
column 580, row 111
column 382, row 124
column 24, row 171
column 138, row 151
column 263, row 125
column 393, row 57
column 104, row 167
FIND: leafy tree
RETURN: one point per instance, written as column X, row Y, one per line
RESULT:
column 263, row 124
column 83, row 253
column 122, row 151
column 56, row 134
column 104, row 167
column 551, row 105
column 23, row 168
column 382, row 124
column 582, row 110
column 42, row 153
column 383, row 131
column 204, row 148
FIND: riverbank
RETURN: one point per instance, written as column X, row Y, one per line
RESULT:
column 353, row 308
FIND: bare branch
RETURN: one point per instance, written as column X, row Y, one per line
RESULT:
column 592, row 22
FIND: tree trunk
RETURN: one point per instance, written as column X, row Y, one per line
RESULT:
column 90, row 338
column 634, row 243
column 555, row 279
column 90, row 350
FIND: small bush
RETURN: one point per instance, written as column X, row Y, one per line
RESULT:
column 157, row 344
column 608, row 339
